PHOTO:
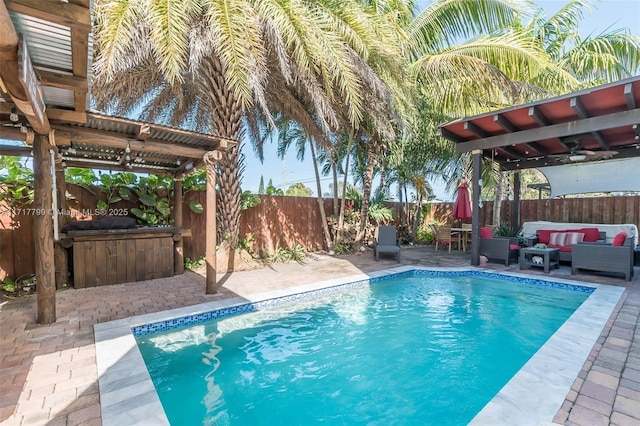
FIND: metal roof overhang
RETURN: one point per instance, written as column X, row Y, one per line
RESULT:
column 58, row 39
column 547, row 132
column 119, row 144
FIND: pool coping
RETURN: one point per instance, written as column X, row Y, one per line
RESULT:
column 127, row 394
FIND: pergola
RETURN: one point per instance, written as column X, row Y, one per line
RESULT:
column 46, row 52
column 600, row 123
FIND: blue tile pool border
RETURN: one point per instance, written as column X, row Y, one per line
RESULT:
column 143, row 330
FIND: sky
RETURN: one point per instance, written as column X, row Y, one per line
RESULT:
column 607, row 15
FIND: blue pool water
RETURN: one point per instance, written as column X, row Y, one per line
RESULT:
column 416, row 349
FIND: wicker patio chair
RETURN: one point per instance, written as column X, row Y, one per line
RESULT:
column 604, row 257
column 499, row 248
column 444, row 236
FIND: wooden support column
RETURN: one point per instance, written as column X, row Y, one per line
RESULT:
column 43, row 231
column 210, row 159
column 178, row 246
column 476, row 156
column 60, row 253
column 515, row 211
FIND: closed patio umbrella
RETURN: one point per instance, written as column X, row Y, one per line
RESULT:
column 462, row 206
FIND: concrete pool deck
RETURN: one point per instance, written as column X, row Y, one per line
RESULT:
column 49, row 374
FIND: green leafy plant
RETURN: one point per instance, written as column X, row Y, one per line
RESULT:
column 115, row 187
column 343, row 248
column 195, row 181
column 280, row 255
column 424, row 235
column 9, row 285
column 154, row 207
column 504, row 230
column 283, row 254
column 248, row 200
column 298, row 253
column 247, row 243
column 193, row 264
column 81, row 177
column 16, row 182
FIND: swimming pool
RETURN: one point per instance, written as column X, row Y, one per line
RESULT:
column 456, row 311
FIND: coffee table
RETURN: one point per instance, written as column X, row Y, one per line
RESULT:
column 550, row 257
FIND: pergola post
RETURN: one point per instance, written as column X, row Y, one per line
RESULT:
column 178, row 247
column 43, row 231
column 515, row 211
column 210, row 159
column 476, row 156
column 60, row 253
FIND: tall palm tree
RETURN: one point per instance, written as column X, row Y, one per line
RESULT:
column 222, row 66
column 592, row 60
column 468, row 56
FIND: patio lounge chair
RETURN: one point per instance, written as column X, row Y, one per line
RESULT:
column 386, row 242
column 604, row 257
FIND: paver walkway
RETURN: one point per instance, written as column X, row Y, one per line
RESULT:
column 48, row 372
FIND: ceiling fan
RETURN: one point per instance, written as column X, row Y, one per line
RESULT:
column 577, row 155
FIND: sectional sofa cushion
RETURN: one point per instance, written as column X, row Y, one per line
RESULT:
column 591, row 235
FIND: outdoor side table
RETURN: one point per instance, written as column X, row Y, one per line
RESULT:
column 550, row 257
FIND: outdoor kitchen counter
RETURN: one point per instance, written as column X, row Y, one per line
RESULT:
column 113, row 256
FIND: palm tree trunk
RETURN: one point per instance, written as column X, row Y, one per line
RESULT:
column 497, row 203
column 401, row 199
column 383, row 181
column 336, row 199
column 366, row 192
column 417, row 217
column 227, row 123
column 323, row 214
column 344, row 191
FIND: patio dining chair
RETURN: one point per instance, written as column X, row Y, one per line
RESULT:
column 386, row 241
column 444, row 236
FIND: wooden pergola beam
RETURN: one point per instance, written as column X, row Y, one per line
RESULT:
column 62, row 81
column 114, row 140
column 54, row 114
column 219, row 142
column 79, row 62
column 10, row 73
column 66, row 14
column 587, row 125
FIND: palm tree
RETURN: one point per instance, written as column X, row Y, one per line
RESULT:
column 592, row 60
column 222, row 66
column 290, row 132
column 468, row 56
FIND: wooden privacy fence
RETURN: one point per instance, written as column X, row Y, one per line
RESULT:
column 286, row 221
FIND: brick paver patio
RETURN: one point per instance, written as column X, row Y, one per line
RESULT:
column 48, row 372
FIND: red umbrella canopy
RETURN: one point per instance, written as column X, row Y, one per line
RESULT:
column 462, row 206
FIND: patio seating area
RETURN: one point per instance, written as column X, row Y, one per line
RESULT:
column 49, row 372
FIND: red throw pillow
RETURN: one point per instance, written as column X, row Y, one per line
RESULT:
column 591, row 235
column 486, row 232
column 618, row 240
column 544, row 235
column 514, row 247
